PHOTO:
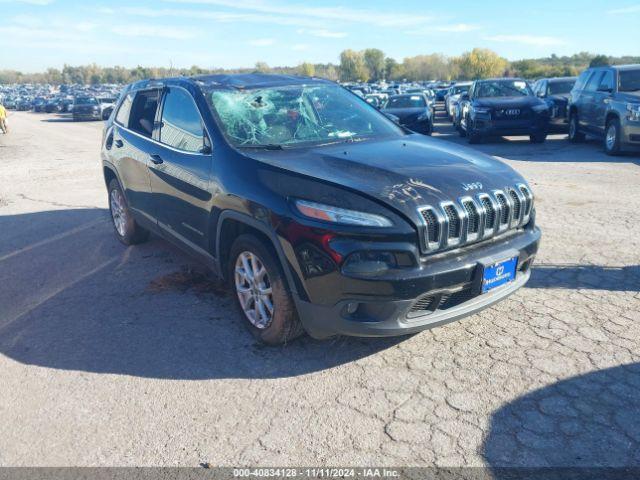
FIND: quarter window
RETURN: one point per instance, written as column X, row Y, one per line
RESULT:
column 122, row 117
column 181, row 122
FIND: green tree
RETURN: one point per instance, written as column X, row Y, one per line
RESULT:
column 262, row 67
column 374, row 61
column 307, row 69
column 600, row 61
column 352, row 67
column 392, row 69
column 481, row 63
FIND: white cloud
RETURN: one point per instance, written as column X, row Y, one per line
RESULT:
column 533, row 40
column 157, row 31
column 342, row 14
column 30, row 2
column 624, row 10
column 453, row 28
column 300, row 47
column 261, row 42
column 322, row 33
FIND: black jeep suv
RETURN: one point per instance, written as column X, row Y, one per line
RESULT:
column 503, row 106
column 605, row 103
column 320, row 212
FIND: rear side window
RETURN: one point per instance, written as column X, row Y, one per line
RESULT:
column 143, row 112
column 122, row 117
column 181, row 122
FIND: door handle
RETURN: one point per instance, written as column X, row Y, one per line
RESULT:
column 156, row 159
column 118, row 143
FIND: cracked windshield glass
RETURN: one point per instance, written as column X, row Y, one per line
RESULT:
column 296, row 116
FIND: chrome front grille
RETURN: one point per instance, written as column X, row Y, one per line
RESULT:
column 474, row 218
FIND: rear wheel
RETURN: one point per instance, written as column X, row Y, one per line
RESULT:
column 127, row 229
column 538, row 137
column 575, row 135
column 612, row 137
column 261, row 291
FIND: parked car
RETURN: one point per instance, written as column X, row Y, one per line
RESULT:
column 503, row 106
column 319, row 212
column 52, row 106
column 106, row 106
column 86, row 108
column 38, row 104
column 453, row 96
column 412, row 110
column 555, row 91
column 605, row 103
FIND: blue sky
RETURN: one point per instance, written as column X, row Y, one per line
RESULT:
column 236, row 33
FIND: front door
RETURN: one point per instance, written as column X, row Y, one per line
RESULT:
column 180, row 172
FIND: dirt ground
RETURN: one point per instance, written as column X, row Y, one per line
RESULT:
column 130, row 356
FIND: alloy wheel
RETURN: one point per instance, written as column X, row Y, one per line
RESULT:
column 118, row 211
column 612, row 134
column 253, row 287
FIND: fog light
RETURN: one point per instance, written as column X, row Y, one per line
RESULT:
column 369, row 263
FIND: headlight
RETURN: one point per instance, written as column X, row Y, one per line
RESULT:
column 481, row 110
column 542, row 108
column 328, row 213
column 634, row 111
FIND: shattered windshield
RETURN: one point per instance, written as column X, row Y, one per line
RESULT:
column 296, row 115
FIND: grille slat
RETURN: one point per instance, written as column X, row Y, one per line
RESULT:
column 516, row 205
column 504, row 207
column 454, row 221
column 490, row 213
column 474, row 217
column 433, row 226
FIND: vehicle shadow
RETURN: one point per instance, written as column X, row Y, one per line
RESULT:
column 572, row 276
column 73, row 298
column 588, row 421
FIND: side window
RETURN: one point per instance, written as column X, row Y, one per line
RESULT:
column 143, row 112
column 122, row 117
column 582, row 80
column 181, row 122
column 607, row 81
column 594, row 81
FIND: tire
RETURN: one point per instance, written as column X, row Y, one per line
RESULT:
column 127, row 229
column 575, row 135
column 283, row 324
column 612, row 137
column 538, row 137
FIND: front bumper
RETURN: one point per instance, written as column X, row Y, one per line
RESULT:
column 394, row 313
column 87, row 115
column 488, row 126
column 630, row 133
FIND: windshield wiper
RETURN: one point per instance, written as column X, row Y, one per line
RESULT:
column 267, row 146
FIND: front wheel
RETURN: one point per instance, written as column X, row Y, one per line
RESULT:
column 612, row 137
column 262, row 295
column 575, row 135
column 538, row 137
column 127, row 229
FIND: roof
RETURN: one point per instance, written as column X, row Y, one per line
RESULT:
column 627, row 67
column 255, row 80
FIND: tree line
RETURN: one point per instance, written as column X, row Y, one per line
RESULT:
column 355, row 66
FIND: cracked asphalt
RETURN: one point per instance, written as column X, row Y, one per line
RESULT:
column 131, row 356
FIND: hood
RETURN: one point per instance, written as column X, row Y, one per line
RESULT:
column 633, row 97
column 403, row 173
column 508, row 102
column 407, row 115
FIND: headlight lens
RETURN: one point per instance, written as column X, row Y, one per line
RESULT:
column 634, row 111
column 481, row 110
column 329, row 213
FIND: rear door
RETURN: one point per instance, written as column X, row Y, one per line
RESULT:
column 180, row 174
column 132, row 147
column 602, row 98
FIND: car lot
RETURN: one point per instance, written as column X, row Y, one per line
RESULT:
column 131, row 356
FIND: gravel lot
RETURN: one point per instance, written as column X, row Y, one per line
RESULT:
column 130, row 356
